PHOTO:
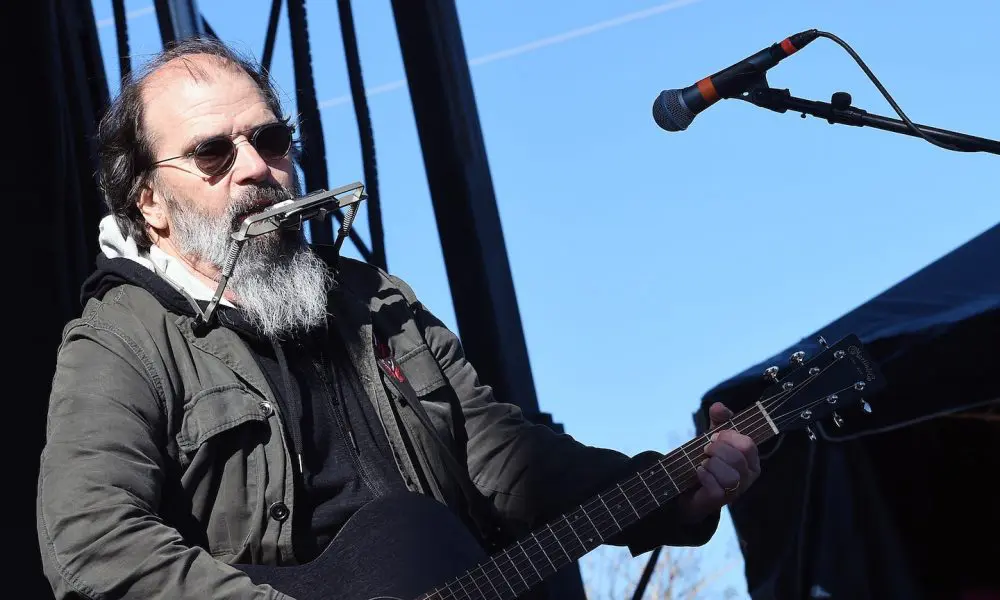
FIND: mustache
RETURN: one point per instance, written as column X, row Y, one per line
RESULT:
column 255, row 199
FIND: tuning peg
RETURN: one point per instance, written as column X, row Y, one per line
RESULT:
column 865, row 406
column 822, row 342
column 797, row 357
column 811, row 434
column 838, row 420
column 771, row 373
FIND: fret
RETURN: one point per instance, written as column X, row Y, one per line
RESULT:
column 525, row 552
column 570, row 525
column 504, row 577
column 461, row 585
column 648, row 489
column 693, row 466
column 472, row 577
column 510, row 559
column 609, row 512
column 669, row 476
column 568, row 557
column 733, row 425
column 637, row 515
column 596, row 530
column 544, row 553
column 490, row 581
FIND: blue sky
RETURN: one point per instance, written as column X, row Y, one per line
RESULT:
column 648, row 265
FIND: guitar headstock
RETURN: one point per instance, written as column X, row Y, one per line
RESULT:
column 830, row 384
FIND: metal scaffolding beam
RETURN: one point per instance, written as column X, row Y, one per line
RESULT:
column 475, row 255
column 178, row 19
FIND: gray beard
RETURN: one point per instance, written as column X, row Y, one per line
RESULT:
column 280, row 285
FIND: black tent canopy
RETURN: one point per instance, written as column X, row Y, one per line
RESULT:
column 902, row 502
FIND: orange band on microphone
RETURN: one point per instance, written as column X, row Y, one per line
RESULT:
column 707, row 89
column 787, row 46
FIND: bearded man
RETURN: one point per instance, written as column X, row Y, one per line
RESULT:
column 177, row 452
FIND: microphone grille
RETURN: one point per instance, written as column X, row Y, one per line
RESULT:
column 670, row 112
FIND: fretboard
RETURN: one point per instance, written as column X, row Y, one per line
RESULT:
column 521, row 566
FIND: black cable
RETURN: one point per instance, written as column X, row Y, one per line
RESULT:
column 208, row 28
column 885, row 93
column 121, row 37
column 272, row 33
column 313, row 159
column 363, row 117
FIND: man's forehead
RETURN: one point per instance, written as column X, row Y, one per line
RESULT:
column 194, row 90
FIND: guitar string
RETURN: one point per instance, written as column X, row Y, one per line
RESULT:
column 507, row 575
column 515, row 566
column 637, row 482
column 634, row 483
column 515, row 569
column 644, row 499
column 513, row 563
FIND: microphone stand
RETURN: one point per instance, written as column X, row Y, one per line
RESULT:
column 839, row 110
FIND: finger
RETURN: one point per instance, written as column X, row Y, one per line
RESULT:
column 719, row 414
column 744, row 444
column 725, row 475
column 710, row 488
column 731, row 456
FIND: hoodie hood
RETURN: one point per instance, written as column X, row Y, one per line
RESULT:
column 165, row 277
column 114, row 244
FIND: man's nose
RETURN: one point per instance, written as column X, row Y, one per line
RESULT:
column 249, row 166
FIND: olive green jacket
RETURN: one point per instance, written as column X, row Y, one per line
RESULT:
column 165, row 459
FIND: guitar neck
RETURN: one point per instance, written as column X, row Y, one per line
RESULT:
column 565, row 540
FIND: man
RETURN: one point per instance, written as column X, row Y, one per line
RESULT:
column 176, row 448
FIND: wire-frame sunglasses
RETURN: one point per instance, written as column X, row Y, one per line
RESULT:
column 216, row 155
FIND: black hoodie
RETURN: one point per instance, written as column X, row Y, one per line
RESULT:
column 344, row 457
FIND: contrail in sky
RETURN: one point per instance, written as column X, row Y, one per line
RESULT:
column 530, row 46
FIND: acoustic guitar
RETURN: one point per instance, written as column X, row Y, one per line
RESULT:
column 408, row 546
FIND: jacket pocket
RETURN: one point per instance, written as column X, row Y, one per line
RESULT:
column 437, row 400
column 422, row 370
column 222, row 436
column 213, row 411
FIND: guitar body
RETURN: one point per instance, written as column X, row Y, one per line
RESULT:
column 396, row 547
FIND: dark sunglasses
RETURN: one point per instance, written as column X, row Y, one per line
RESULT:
column 215, row 156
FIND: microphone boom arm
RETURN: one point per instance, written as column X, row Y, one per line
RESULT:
column 840, row 111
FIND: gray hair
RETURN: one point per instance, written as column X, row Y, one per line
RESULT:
column 124, row 148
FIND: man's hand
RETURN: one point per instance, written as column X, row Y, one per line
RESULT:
column 731, row 467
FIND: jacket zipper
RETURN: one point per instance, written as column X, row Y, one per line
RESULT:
column 339, row 414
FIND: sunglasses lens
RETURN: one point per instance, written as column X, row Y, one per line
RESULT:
column 215, row 156
column 273, row 141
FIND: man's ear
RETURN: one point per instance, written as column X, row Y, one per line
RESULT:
column 152, row 207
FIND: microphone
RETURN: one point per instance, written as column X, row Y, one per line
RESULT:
column 674, row 110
